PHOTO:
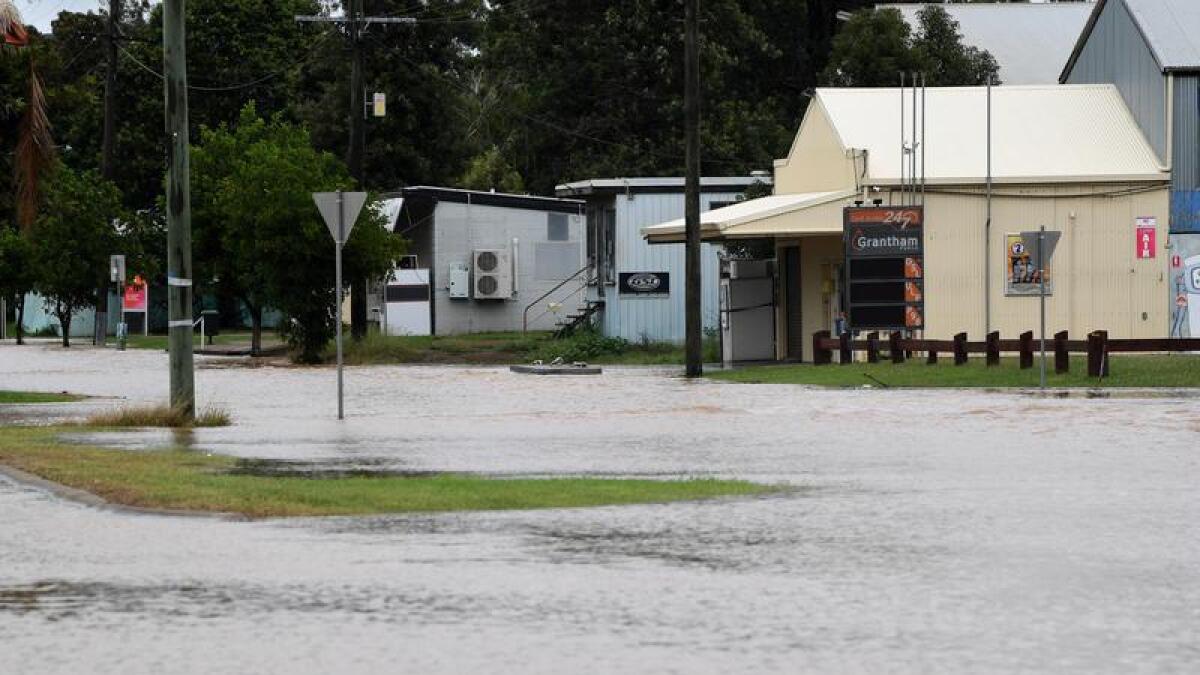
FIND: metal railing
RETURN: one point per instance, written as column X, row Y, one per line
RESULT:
column 564, row 282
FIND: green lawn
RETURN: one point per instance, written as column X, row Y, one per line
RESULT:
column 1180, row 370
column 36, row 397
column 509, row 348
column 199, row 482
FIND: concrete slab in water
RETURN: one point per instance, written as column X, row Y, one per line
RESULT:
column 556, row 370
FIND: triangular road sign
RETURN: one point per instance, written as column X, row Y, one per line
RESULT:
column 349, row 204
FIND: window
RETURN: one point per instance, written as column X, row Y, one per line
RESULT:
column 556, row 227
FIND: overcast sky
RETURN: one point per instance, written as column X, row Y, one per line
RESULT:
column 41, row 12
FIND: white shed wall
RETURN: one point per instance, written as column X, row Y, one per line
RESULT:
column 459, row 229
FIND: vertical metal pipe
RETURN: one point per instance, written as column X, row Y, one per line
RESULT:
column 987, row 227
column 904, row 159
column 1042, row 280
column 922, row 139
column 179, row 212
column 341, row 236
column 912, row 159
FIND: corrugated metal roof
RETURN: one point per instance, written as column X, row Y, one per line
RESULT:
column 741, row 218
column 1171, row 28
column 1040, row 133
column 1031, row 42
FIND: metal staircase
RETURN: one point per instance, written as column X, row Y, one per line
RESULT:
column 582, row 317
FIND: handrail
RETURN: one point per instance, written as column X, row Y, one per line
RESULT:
column 564, row 282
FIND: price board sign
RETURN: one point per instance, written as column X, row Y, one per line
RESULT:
column 885, row 267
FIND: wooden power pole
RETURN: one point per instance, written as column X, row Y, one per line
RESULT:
column 179, row 211
column 356, row 24
column 692, row 321
column 108, row 148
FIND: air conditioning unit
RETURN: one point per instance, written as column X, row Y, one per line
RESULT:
column 492, row 272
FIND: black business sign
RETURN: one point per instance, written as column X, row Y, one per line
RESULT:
column 885, row 267
column 645, row 283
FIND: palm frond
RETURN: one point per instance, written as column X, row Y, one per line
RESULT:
column 35, row 151
column 12, row 28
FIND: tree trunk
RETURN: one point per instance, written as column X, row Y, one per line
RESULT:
column 255, row 330
column 358, row 308
column 21, row 319
column 64, row 320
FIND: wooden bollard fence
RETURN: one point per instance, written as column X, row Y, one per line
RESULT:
column 960, row 349
column 873, row 347
column 894, row 347
column 1062, row 358
column 1027, row 350
column 844, row 353
column 931, row 357
column 822, row 356
column 992, row 347
column 1097, row 353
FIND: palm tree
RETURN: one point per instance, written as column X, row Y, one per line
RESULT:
column 34, row 151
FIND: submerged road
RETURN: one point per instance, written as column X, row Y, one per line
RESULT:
column 938, row 531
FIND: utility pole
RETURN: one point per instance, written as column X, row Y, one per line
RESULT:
column 691, row 95
column 356, row 25
column 179, row 211
column 107, row 149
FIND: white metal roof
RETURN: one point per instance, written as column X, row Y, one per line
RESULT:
column 1040, row 133
column 752, row 217
column 665, row 183
column 1031, row 42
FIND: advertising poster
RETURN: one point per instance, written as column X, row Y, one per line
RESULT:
column 1185, row 285
column 1020, row 277
column 135, row 296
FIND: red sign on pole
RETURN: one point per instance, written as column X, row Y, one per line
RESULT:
column 135, row 298
column 1145, row 243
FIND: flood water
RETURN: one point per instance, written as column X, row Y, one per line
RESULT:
column 940, row 531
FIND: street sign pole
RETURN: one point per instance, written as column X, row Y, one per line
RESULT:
column 338, row 311
column 340, row 211
column 1042, row 295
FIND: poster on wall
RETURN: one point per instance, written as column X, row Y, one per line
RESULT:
column 1185, row 285
column 1021, row 278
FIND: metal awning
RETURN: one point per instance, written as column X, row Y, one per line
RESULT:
column 793, row 215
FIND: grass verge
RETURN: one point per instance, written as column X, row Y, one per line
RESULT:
column 510, row 348
column 158, row 416
column 160, row 341
column 1171, row 371
column 179, row 480
column 37, row 397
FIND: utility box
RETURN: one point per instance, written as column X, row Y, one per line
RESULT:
column 460, row 282
column 493, row 274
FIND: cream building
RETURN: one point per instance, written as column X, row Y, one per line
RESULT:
column 1069, row 157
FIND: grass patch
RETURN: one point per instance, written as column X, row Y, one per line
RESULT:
column 197, row 482
column 37, row 397
column 1176, row 370
column 510, row 348
column 157, row 416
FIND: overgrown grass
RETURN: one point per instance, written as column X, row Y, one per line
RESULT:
column 199, row 482
column 157, row 416
column 509, row 348
column 37, row 397
column 1179, row 370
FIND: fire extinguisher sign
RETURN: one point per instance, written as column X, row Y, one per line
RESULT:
column 1146, row 232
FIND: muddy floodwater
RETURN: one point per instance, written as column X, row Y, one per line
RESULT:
column 930, row 531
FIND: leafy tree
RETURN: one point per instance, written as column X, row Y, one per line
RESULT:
column 490, row 170
column 260, row 235
column 877, row 45
column 72, row 241
column 16, row 273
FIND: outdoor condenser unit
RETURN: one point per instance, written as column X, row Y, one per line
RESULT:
column 492, row 272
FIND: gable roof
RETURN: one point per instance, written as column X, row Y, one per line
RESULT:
column 1030, row 41
column 1040, row 133
column 1171, row 28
